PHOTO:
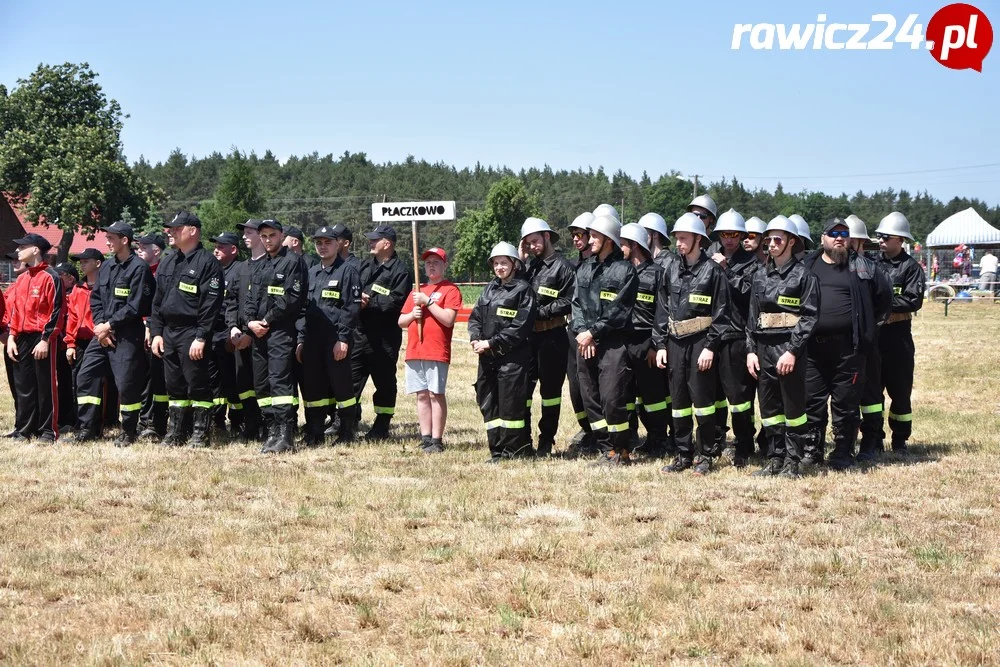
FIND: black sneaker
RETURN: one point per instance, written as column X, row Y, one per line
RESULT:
column 377, row 432
column 841, row 463
column 149, row 433
column 613, row 459
column 124, row 439
column 702, row 465
column 433, row 447
column 770, row 469
column 791, row 470
column 868, row 456
column 811, row 461
column 679, row 464
column 84, row 436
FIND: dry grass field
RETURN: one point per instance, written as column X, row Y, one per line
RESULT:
column 378, row 554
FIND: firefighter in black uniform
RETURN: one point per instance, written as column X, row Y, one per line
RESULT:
column 736, row 384
column 853, row 300
column 606, row 288
column 500, row 329
column 895, row 341
column 227, row 360
column 784, row 302
column 552, row 278
column 583, row 441
column 270, row 305
column 122, row 298
column 385, row 283
column 651, row 399
column 186, row 311
column 153, row 418
column 326, row 332
column 691, row 316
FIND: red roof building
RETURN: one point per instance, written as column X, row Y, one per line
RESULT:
column 14, row 225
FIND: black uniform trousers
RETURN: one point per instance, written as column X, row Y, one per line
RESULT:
column 327, row 383
column 375, row 354
column 575, row 395
column 833, row 373
column 872, row 434
column 37, row 412
column 501, row 392
column 127, row 364
column 652, row 400
column 227, row 393
column 694, row 397
column 190, row 383
column 896, row 348
column 604, row 385
column 782, row 400
column 738, row 388
column 548, row 370
column 66, row 391
column 154, row 397
column 274, row 375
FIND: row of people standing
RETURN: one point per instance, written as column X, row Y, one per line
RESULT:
column 683, row 339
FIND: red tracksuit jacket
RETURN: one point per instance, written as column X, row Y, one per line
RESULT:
column 79, row 319
column 36, row 302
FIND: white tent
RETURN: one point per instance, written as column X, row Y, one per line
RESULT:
column 966, row 227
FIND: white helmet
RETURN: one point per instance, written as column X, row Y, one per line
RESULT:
column 636, row 232
column 755, row 225
column 654, row 222
column 608, row 226
column 705, row 202
column 803, row 227
column 536, row 225
column 689, row 222
column 857, row 227
column 782, row 224
column 895, row 224
column 730, row 221
column 503, row 249
column 608, row 210
column 582, row 221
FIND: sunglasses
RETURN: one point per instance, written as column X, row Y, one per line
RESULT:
column 703, row 216
column 884, row 237
column 838, row 233
column 729, row 235
column 776, row 240
column 752, row 236
column 578, row 235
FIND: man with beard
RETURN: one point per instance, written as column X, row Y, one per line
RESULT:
column 553, row 279
column 850, row 308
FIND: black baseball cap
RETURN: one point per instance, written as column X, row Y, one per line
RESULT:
column 185, row 219
column 227, row 238
column 295, row 233
column 120, row 228
column 834, row 222
column 273, row 224
column 68, row 269
column 36, row 240
column 341, row 231
column 325, row 233
column 153, row 239
column 252, row 223
column 381, row 232
column 89, row 253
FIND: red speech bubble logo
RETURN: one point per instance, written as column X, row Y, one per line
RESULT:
column 961, row 36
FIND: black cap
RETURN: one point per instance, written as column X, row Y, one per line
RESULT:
column 184, row 219
column 252, row 223
column 120, row 228
column 68, row 269
column 153, row 239
column 326, row 233
column 295, row 233
column 273, row 224
column 35, row 240
column 342, row 231
column 834, row 222
column 381, row 232
column 89, row 253
column 227, row 238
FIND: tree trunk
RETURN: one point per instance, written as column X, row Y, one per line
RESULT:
column 62, row 250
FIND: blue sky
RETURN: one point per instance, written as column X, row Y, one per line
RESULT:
column 639, row 86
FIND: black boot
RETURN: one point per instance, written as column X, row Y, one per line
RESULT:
column 347, row 429
column 201, row 433
column 271, row 429
column 313, row 433
column 380, row 428
column 285, row 439
column 173, row 438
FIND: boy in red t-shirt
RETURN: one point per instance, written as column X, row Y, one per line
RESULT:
column 437, row 304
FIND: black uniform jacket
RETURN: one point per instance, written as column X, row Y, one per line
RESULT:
column 189, row 293
column 650, row 276
column 740, row 270
column 553, row 279
column 871, row 297
column 241, row 299
column 504, row 315
column 604, row 297
column 387, row 286
column 124, row 293
column 333, row 302
column 789, row 289
column 699, row 290
column 907, row 280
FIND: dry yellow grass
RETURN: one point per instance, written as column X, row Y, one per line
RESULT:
column 380, row 555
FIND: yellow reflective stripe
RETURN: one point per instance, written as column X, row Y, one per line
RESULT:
column 187, row 287
column 548, row 291
column 897, row 289
column 160, row 398
column 721, row 405
column 700, row 298
column 204, row 405
column 346, row 404
column 901, row 418
column 609, row 296
column 122, row 291
column 630, row 407
column 88, row 400
column 507, row 312
column 644, row 297
column 130, row 407
column 617, row 428
column 235, row 406
column 248, row 394
column 581, row 415
column 599, row 424
column 264, row 402
column 549, row 402
column 284, row 400
column 773, row 421
column 528, row 404
column 638, row 400
column 705, row 412
column 871, row 409
column 383, row 411
column 219, row 401
column 789, row 301
column 317, row 404
column 683, row 412
column 180, row 404
column 742, row 407
column 330, row 294
column 669, row 400
column 274, row 289
column 655, row 407
column 378, row 289
column 490, row 425
column 512, row 423
column 798, row 421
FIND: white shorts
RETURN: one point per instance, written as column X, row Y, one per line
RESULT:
column 429, row 376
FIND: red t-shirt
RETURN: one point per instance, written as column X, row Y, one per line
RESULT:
column 436, row 345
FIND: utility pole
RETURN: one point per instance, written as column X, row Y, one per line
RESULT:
column 695, row 187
